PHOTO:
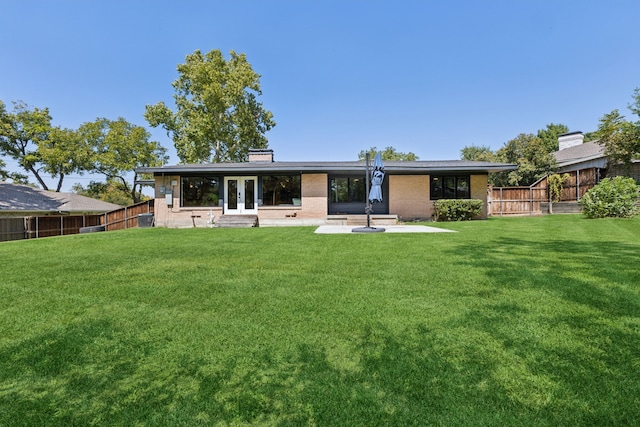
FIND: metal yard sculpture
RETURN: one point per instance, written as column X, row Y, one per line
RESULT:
column 374, row 192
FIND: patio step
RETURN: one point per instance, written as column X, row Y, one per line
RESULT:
column 361, row 220
column 237, row 221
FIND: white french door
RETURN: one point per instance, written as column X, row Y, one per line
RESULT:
column 241, row 195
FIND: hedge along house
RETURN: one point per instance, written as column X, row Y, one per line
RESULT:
column 310, row 193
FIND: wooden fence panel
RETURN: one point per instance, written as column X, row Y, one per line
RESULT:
column 526, row 200
column 58, row 225
column 127, row 217
column 578, row 183
column 516, row 200
column 16, row 228
column 12, row 229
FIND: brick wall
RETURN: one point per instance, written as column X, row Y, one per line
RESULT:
column 315, row 195
column 479, row 191
column 174, row 216
column 409, row 197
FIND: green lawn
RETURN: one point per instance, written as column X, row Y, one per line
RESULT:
column 515, row 321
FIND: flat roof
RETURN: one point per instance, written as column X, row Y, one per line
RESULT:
column 395, row 167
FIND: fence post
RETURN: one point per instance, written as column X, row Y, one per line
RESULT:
column 500, row 201
column 577, row 185
column 530, row 201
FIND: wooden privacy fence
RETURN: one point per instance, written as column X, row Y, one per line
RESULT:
column 17, row 228
column 11, row 229
column 127, row 217
column 527, row 200
column 516, row 200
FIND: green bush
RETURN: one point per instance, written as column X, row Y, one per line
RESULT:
column 457, row 209
column 612, row 197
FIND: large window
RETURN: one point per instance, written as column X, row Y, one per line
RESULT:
column 200, row 191
column 281, row 190
column 450, row 187
column 347, row 190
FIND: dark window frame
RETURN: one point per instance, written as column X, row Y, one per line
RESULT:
column 355, row 191
column 450, row 186
column 290, row 194
column 196, row 195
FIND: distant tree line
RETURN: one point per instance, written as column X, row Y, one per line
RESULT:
column 533, row 153
column 217, row 119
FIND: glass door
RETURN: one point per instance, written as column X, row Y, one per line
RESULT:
column 241, row 195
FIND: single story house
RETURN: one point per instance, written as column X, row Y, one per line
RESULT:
column 23, row 200
column 283, row 193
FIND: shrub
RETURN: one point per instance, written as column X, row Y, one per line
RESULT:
column 612, row 197
column 556, row 183
column 457, row 209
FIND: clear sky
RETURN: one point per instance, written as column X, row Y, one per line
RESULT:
column 427, row 77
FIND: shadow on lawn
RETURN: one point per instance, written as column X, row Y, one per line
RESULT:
column 604, row 277
column 541, row 344
column 568, row 314
column 91, row 373
column 417, row 377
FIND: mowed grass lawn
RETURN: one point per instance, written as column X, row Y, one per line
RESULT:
column 518, row 321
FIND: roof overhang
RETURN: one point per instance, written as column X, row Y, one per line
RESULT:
column 394, row 167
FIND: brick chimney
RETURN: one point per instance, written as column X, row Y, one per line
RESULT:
column 570, row 139
column 260, row 155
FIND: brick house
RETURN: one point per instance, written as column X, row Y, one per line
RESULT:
column 310, row 193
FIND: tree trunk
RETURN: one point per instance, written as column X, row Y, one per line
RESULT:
column 40, row 180
column 60, row 182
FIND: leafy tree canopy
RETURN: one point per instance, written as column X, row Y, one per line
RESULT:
column 532, row 153
column 529, row 152
column 27, row 136
column 218, row 117
column 621, row 138
column 116, row 148
column 476, row 153
column 112, row 191
column 549, row 136
column 388, row 153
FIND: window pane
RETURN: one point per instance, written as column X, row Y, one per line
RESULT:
column 449, row 187
column 463, row 191
column 249, row 186
column 232, row 194
column 436, row 187
column 200, row 191
column 339, row 190
column 280, row 189
column 357, row 189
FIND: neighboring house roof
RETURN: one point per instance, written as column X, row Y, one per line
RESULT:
column 22, row 198
column 397, row 167
column 586, row 155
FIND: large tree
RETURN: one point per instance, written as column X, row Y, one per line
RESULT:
column 111, row 191
column 388, row 153
column 117, row 148
column 218, row 117
column 532, row 153
column 620, row 137
column 549, row 136
column 529, row 152
column 27, row 136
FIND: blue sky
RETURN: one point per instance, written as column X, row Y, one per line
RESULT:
column 428, row 76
